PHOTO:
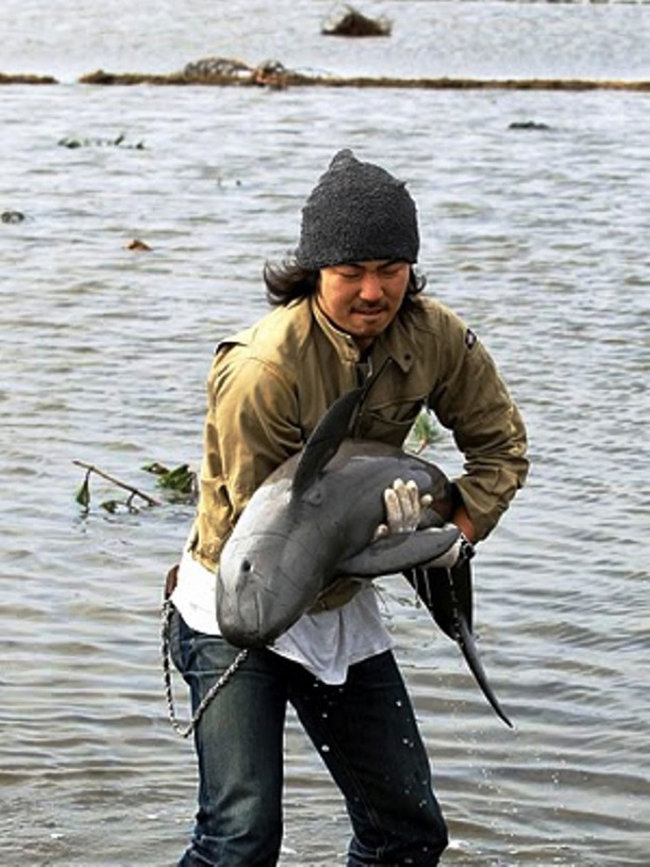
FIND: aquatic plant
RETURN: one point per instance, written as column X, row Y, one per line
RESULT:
column 118, row 142
column 179, row 483
column 424, row 431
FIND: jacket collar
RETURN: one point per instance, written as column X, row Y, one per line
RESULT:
column 343, row 343
column 396, row 342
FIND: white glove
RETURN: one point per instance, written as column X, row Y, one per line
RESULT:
column 403, row 508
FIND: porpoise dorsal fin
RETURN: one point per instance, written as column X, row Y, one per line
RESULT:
column 335, row 426
column 325, row 439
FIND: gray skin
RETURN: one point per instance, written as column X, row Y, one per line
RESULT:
column 315, row 520
column 288, row 546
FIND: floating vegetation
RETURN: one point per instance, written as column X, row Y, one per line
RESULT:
column 217, row 67
column 211, row 70
column 291, row 78
column 12, row 217
column 180, row 484
column 529, row 125
column 9, row 78
column 354, row 23
column 226, row 72
column 83, row 496
column 118, row 142
column 181, row 481
column 207, row 71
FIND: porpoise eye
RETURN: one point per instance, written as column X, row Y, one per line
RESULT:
column 246, row 565
column 314, row 497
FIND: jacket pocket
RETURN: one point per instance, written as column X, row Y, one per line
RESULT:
column 389, row 423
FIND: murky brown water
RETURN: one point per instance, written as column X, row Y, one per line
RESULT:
column 538, row 238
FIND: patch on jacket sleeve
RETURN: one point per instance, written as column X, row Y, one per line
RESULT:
column 470, row 338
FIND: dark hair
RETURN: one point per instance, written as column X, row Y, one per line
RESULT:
column 287, row 282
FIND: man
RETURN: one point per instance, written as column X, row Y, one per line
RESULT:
column 348, row 304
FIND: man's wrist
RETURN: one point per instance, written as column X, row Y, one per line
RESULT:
column 462, row 520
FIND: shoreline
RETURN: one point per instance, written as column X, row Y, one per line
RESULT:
column 284, row 79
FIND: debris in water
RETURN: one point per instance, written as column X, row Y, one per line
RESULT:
column 353, row 23
column 217, row 67
column 528, row 124
column 117, row 142
column 12, row 217
column 137, row 245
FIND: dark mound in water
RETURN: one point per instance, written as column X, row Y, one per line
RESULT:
column 353, row 23
column 529, row 125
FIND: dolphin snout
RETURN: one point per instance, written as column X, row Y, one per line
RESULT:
column 247, row 608
column 238, row 609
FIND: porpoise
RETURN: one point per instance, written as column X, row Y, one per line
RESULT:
column 315, row 519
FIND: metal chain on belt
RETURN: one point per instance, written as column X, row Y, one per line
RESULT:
column 179, row 728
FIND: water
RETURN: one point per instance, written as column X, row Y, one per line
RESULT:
column 538, row 238
column 429, row 38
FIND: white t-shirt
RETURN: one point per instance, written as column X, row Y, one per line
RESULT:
column 325, row 643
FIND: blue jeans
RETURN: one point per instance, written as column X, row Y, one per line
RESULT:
column 365, row 732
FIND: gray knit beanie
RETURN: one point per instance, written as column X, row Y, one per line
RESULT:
column 357, row 212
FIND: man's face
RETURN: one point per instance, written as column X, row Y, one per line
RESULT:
column 363, row 298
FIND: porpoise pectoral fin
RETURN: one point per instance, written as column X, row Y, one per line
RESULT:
column 399, row 551
column 447, row 593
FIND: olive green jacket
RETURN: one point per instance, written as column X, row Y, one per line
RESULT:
column 270, row 385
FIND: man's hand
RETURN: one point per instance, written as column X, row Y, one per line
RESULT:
column 403, row 508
